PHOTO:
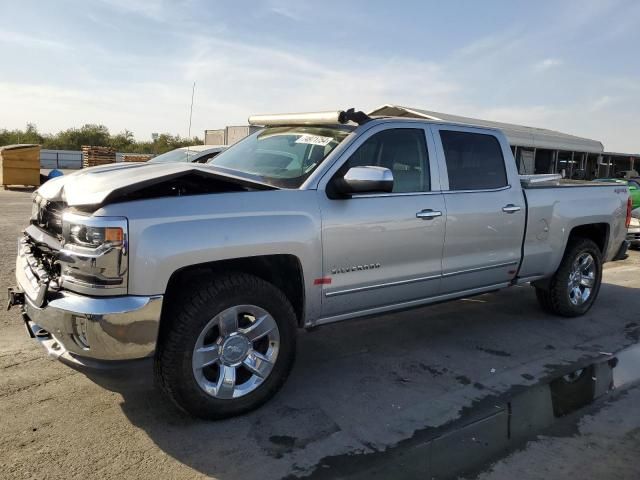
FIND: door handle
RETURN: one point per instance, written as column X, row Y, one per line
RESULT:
column 511, row 208
column 428, row 214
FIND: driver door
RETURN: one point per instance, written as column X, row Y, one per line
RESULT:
column 384, row 249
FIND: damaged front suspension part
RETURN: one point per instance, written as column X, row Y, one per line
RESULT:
column 15, row 297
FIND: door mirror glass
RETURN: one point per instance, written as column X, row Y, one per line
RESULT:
column 367, row 179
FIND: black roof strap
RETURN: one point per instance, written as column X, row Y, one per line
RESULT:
column 351, row 115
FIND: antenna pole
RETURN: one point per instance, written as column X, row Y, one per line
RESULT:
column 193, row 91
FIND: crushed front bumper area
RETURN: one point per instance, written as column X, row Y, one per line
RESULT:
column 87, row 330
column 83, row 330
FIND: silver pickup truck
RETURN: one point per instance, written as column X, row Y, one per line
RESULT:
column 316, row 218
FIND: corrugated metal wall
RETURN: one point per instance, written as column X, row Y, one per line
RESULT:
column 67, row 159
column 228, row 135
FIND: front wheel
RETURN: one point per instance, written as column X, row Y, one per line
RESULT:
column 575, row 285
column 228, row 348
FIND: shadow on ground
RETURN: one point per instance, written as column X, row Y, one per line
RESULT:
column 363, row 386
column 16, row 188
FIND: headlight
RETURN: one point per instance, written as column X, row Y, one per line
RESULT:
column 94, row 254
column 635, row 222
column 94, row 237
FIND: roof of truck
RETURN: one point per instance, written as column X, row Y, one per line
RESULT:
column 519, row 135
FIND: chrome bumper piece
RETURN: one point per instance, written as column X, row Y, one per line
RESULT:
column 118, row 328
column 89, row 329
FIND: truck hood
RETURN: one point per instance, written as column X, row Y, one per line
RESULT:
column 97, row 186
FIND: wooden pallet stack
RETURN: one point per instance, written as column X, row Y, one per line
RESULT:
column 93, row 156
column 20, row 165
column 136, row 157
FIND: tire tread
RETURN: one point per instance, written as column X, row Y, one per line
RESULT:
column 184, row 310
column 554, row 299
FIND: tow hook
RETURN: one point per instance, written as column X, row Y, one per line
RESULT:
column 15, row 298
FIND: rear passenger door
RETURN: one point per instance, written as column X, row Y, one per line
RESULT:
column 485, row 209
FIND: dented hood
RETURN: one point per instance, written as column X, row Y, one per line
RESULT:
column 102, row 184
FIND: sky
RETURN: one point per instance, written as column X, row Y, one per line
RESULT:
column 572, row 66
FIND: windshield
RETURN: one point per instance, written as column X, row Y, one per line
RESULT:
column 178, row 155
column 282, row 156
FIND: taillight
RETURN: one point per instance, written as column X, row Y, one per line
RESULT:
column 627, row 222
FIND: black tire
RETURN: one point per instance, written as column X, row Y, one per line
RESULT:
column 556, row 299
column 188, row 314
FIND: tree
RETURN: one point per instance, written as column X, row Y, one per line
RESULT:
column 123, row 141
column 88, row 134
column 95, row 135
column 29, row 135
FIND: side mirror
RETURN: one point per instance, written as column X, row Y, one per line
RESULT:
column 366, row 180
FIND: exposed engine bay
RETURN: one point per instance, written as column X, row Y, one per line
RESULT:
column 42, row 242
column 44, row 272
column 190, row 183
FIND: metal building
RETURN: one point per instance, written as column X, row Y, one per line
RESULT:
column 228, row 135
column 536, row 150
column 621, row 162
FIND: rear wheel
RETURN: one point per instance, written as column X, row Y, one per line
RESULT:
column 575, row 285
column 228, row 348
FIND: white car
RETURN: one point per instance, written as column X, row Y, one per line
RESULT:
column 192, row 154
column 633, row 234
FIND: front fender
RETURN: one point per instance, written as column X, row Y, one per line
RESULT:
column 168, row 234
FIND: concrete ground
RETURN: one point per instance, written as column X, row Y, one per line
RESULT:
column 358, row 390
column 602, row 444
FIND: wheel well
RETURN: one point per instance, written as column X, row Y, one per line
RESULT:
column 283, row 271
column 598, row 232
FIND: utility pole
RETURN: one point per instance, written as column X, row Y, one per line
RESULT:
column 193, row 91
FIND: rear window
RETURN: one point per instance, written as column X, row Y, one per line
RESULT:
column 474, row 161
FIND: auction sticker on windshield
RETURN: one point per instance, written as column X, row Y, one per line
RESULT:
column 314, row 140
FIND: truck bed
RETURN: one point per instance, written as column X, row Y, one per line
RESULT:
column 555, row 181
column 557, row 206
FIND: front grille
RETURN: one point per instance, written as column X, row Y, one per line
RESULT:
column 48, row 216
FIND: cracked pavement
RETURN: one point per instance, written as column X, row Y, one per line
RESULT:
column 357, row 387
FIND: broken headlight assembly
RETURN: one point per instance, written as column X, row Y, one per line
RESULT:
column 94, row 257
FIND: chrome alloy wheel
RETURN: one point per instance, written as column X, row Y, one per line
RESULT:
column 236, row 351
column 573, row 377
column 582, row 279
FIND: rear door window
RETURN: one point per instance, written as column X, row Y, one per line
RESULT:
column 474, row 161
